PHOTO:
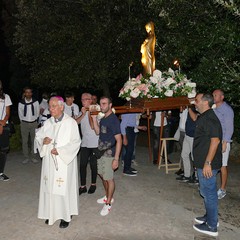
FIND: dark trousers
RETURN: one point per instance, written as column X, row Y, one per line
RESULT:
column 4, row 147
column 131, row 135
column 86, row 154
column 3, row 158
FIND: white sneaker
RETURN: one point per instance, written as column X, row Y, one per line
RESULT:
column 103, row 200
column 221, row 193
column 25, row 161
column 105, row 210
column 34, row 160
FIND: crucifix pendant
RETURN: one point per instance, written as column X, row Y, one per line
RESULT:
column 54, row 144
column 45, row 179
column 54, row 156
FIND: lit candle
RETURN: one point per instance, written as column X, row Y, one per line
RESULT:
column 177, row 64
column 129, row 70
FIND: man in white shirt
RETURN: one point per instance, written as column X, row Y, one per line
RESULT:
column 70, row 108
column 28, row 112
column 88, row 146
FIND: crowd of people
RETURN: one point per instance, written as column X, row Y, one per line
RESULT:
column 57, row 130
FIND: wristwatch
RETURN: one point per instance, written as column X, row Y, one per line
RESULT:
column 208, row 163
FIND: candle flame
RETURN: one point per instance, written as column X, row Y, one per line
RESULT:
column 176, row 62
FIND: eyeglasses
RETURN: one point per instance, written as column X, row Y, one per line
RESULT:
column 85, row 99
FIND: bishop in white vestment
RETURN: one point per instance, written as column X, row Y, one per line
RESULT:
column 58, row 142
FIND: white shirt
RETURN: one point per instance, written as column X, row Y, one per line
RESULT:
column 45, row 115
column 157, row 122
column 89, row 137
column 183, row 119
column 29, row 116
column 3, row 104
column 71, row 109
column 43, row 104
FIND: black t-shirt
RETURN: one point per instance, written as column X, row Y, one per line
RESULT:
column 109, row 127
column 207, row 126
column 190, row 126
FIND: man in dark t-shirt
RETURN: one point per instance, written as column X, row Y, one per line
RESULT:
column 109, row 127
column 110, row 142
column 207, row 154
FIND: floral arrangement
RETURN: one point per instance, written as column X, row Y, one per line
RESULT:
column 160, row 85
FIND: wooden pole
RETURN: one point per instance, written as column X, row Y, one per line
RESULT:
column 149, row 136
column 160, row 135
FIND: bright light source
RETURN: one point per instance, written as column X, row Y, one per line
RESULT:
column 176, row 62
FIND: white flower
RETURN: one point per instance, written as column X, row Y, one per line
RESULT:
column 191, row 94
column 159, row 84
column 153, row 80
column 171, row 72
column 135, row 93
column 132, row 83
column 126, row 88
column 157, row 73
column 169, row 93
column 191, row 84
column 169, row 81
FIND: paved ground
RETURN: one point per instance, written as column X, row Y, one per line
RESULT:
column 151, row 206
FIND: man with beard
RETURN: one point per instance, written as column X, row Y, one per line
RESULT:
column 110, row 142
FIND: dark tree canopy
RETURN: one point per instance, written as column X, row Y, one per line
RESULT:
column 89, row 44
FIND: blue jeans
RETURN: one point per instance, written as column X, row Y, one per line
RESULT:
column 131, row 135
column 208, row 190
column 123, row 153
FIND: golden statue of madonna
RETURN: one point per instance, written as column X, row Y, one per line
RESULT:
column 147, row 50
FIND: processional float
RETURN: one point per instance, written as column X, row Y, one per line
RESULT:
column 170, row 94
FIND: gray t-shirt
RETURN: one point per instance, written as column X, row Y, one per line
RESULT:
column 89, row 137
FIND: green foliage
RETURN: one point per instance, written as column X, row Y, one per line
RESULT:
column 76, row 44
column 91, row 43
column 231, row 5
column 15, row 139
column 204, row 37
column 84, row 43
